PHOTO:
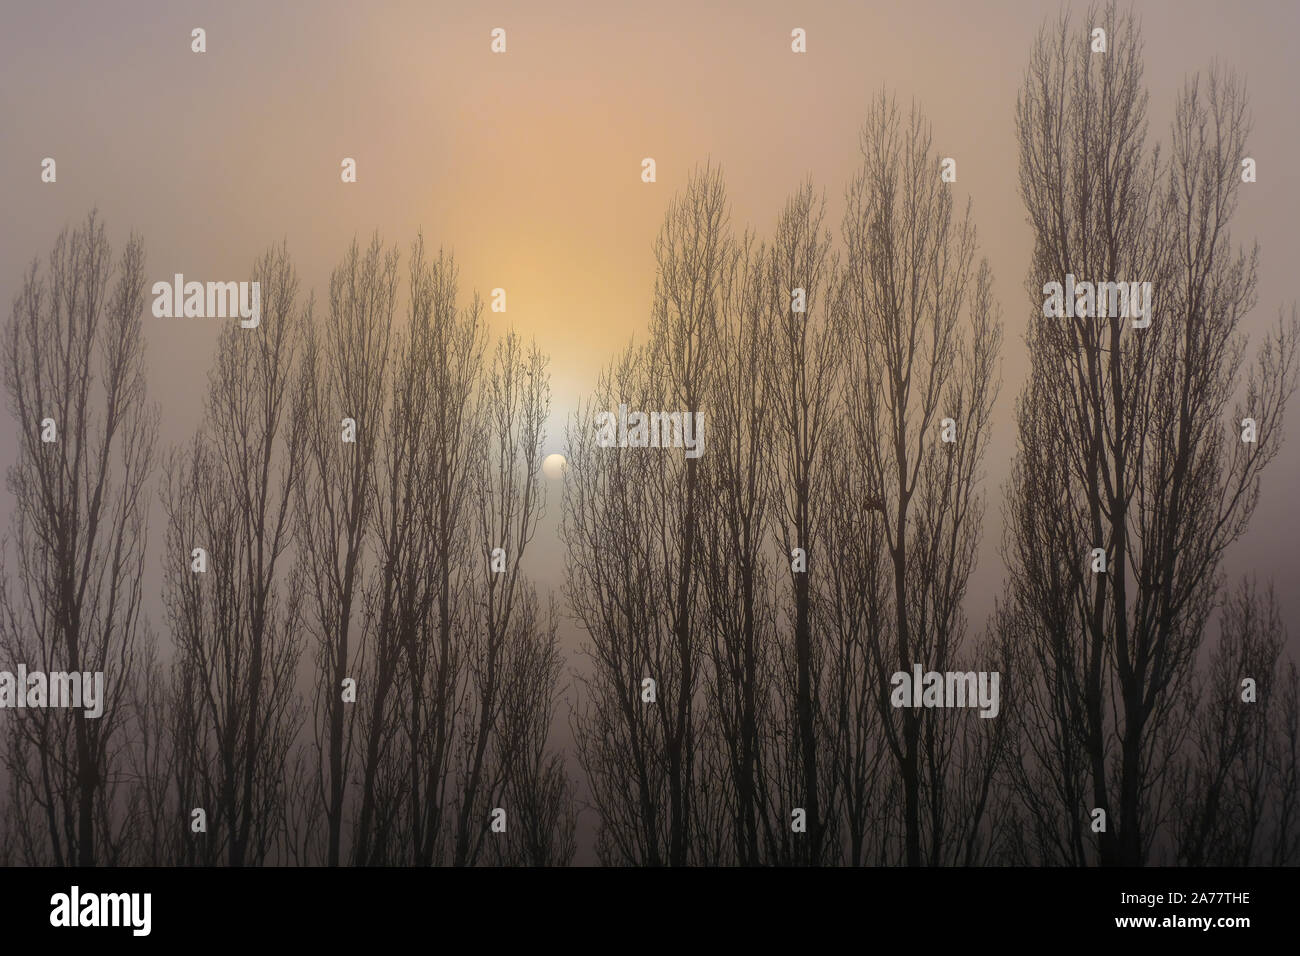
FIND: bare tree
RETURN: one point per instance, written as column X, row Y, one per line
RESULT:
column 347, row 366
column 1281, row 817
column 460, row 666
column 509, row 645
column 737, row 565
column 234, row 610
column 399, row 598
column 691, row 250
column 451, row 340
column 852, row 561
column 537, row 791
column 911, row 284
column 155, row 822
column 613, row 581
column 802, row 380
column 632, row 527
column 1124, row 444
column 75, row 378
column 1227, row 780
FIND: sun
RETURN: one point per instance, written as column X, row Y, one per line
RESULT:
column 553, row 466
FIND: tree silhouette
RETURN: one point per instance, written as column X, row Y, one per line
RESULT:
column 911, row 289
column 366, row 482
column 1124, row 440
column 737, row 562
column 74, row 355
column 347, row 364
column 237, row 625
column 802, row 373
column 631, row 526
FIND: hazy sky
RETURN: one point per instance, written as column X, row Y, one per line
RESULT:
column 528, row 164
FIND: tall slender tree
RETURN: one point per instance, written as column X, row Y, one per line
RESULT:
column 232, row 604
column 1130, row 480
column 632, row 527
column 74, row 375
column 924, row 333
column 347, row 368
column 802, row 373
